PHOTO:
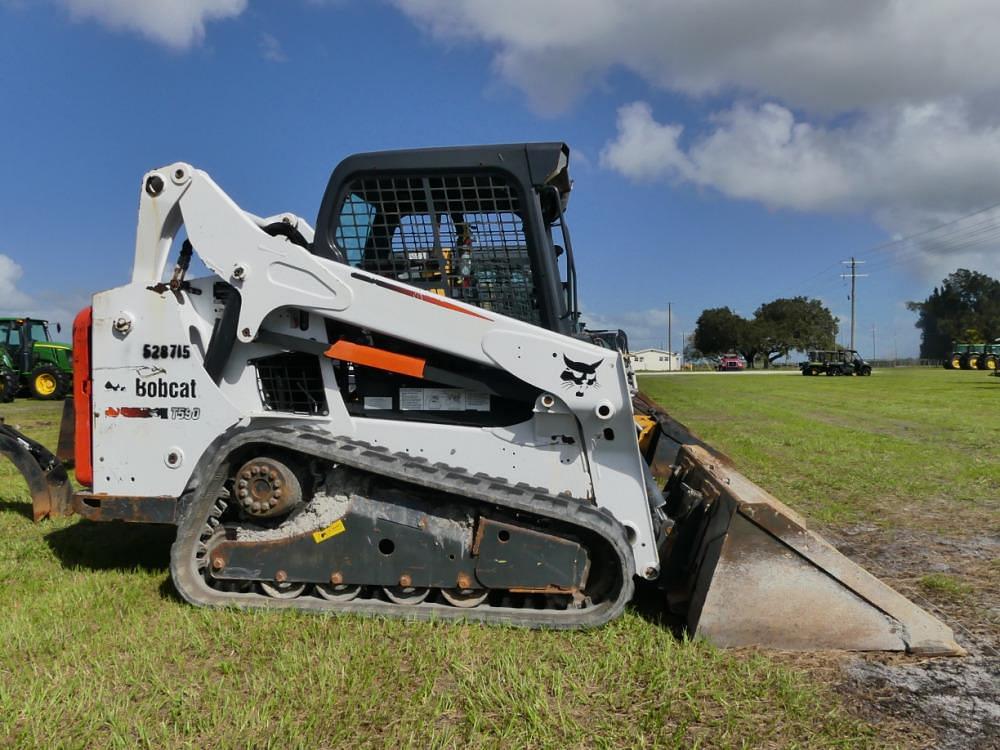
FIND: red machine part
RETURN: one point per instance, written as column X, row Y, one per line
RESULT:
column 82, row 384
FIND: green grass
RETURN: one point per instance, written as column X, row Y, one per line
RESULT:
column 941, row 583
column 97, row 650
column 912, row 448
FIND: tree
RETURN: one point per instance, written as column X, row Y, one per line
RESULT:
column 777, row 328
column 751, row 341
column 794, row 323
column 966, row 307
column 717, row 331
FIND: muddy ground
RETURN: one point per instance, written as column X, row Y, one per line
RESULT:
column 946, row 703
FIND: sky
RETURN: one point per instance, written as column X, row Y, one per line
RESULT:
column 724, row 153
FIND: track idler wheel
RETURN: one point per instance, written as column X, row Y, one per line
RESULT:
column 406, row 594
column 285, row 590
column 338, row 592
column 464, row 598
column 266, row 488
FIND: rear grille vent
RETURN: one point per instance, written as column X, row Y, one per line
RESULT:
column 291, row 383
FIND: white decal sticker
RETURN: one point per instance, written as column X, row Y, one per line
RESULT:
column 442, row 399
column 475, row 401
column 411, row 399
column 378, row 402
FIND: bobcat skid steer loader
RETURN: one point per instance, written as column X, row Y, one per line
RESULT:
column 397, row 413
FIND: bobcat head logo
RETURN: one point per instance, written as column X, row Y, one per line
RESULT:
column 579, row 374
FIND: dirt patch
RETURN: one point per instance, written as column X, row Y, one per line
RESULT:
column 956, row 698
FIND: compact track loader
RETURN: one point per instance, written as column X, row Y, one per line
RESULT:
column 398, row 413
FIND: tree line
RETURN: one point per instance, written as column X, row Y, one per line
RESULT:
column 964, row 308
column 776, row 328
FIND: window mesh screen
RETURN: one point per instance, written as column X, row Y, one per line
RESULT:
column 291, row 382
column 461, row 236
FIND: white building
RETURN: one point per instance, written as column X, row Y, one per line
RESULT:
column 655, row 360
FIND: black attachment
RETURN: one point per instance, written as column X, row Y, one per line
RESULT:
column 50, row 488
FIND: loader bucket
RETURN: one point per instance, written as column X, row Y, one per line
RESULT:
column 744, row 570
column 48, row 483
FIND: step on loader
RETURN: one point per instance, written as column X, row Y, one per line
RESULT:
column 397, row 412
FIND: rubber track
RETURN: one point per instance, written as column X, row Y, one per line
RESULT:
column 210, row 475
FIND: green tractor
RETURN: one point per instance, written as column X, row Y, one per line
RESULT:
column 42, row 366
column 9, row 382
column 989, row 359
column 965, row 357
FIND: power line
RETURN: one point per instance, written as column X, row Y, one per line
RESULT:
column 899, row 240
column 953, row 244
column 811, row 280
column 961, row 238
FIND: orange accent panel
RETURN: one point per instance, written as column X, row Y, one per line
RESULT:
column 380, row 359
column 83, row 406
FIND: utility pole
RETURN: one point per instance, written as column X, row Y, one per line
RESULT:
column 873, row 344
column 670, row 337
column 853, row 276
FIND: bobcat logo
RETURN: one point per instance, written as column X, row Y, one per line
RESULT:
column 579, row 374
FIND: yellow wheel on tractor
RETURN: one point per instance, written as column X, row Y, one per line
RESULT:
column 973, row 361
column 46, row 383
column 956, row 363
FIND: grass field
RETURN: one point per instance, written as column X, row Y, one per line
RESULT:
column 912, row 448
column 97, row 650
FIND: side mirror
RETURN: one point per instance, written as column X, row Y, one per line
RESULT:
column 58, row 327
column 559, row 250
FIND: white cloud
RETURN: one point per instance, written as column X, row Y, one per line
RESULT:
column 644, row 148
column 911, row 167
column 271, row 49
column 880, row 107
column 176, row 23
column 915, row 158
column 815, row 54
column 58, row 308
column 10, row 274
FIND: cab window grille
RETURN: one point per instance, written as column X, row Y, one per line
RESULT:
column 461, row 236
column 292, row 383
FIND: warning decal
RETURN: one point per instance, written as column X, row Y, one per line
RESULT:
column 442, row 399
column 337, row 527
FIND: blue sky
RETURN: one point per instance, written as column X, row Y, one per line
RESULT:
column 697, row 181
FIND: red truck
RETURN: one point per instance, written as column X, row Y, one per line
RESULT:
column 731, row 363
